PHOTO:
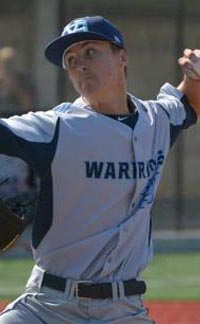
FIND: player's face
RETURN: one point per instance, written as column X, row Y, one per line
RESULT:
column 95, row 69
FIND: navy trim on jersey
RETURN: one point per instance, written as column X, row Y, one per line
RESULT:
column 191, row 118
column 150, row 231
column 44, row 216
column 174, row 133
column 37, row 155
column 130, row 121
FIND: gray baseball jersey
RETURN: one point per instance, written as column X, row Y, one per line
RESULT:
column 98, row 178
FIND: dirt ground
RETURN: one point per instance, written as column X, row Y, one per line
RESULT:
column 174, row 312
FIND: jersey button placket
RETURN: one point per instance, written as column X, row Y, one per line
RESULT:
column 134, row 150
column 109, row 260
column 126, row 229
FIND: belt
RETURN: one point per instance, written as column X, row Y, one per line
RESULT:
column 86, row 289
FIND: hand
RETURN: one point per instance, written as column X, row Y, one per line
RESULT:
column 190, row 64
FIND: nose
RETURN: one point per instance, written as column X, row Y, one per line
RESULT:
column 81, row 65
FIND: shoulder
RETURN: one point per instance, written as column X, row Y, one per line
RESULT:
column 167, row 107
column 175, row 104
column 62, row 108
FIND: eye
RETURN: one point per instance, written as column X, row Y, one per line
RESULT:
column 90, row 52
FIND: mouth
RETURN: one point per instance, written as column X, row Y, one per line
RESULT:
column 87, row 83
column 87, row 77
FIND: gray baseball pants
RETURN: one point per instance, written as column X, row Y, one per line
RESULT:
column 42, row 305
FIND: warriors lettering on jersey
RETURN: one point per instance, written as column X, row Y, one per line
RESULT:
column 123, row 170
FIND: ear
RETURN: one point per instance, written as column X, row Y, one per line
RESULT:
column 123, row 57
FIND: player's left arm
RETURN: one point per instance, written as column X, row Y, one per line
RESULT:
column 190, row 85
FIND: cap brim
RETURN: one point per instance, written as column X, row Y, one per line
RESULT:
column 54, row 50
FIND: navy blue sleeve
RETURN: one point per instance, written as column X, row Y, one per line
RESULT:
column 37, row 154
column 191, row 118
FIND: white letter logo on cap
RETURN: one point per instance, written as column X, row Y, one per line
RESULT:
column 78, row 25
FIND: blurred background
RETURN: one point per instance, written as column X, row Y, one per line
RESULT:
column 156, row 33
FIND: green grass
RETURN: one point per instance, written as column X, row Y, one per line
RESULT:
column 13, row 276
column 168, row 277
column 173, row 277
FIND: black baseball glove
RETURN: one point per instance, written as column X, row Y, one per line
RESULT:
column 11, row 226
column 16, row 213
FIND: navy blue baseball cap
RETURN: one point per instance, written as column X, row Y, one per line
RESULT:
column 80, row 29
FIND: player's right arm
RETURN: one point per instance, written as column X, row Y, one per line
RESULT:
column 172, row 112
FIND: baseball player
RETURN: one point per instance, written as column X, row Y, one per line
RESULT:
column 99, row 160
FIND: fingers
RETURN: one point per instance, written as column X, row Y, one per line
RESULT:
column 191, row 54
column 188, row 53
column 185, row 62
column 190, row 63
column 189, row 57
